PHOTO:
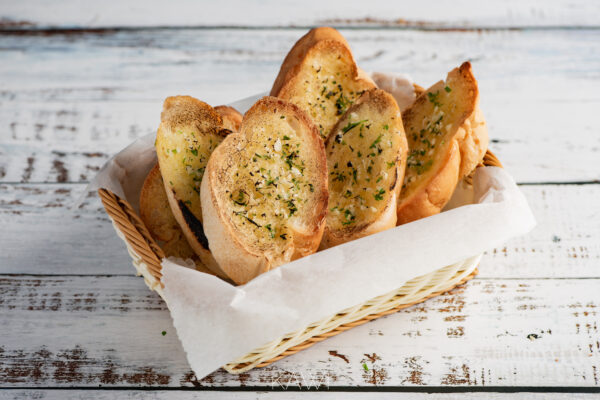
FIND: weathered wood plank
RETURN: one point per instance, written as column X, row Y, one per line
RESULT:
column 563, row 244
column 464, row 13
column 43, row 236
column 83, row 97
column 90, row 331
column 290, row 395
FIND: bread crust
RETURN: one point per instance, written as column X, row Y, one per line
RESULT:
column 466, row 150
column 434, row 195
column 381, row 102
column 240, row 257
column 154, row 208
column 180, row 113
column 472, row 135
column 314, row 45
column 193, row 231
column 232, row 119
column 156, row 214
column 298, row 52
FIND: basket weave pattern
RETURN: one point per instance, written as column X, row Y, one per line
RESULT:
column 147, row 256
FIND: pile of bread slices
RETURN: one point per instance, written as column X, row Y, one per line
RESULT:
column 327, row 158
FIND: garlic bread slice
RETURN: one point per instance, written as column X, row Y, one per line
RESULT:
column 264, row 193
column 156, row 214
column 320, row 76
column 155, row 210
column 447, row 138
column 188, row 133
column 366, row 157
column 232, row 119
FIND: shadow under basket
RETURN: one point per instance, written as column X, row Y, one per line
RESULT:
column 147, row 256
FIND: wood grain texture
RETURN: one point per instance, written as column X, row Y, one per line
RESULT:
column 82, row 241
column 57, row 394
column 69, row 99
column 83, row 97
column 90, row 331
column 460, row 13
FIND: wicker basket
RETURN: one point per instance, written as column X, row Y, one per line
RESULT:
column 147, row 256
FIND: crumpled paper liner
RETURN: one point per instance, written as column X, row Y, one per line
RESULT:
column 218, row 322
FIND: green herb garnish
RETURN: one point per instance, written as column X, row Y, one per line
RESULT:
column 433, row 98
column 271, row 232
column 352, row 125
column 375, row 142
column 349, row 217
column 292, row 207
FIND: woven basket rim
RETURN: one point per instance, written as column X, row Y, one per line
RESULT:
column 140, row 242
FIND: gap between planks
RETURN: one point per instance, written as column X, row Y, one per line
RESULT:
column 37, row 222
column 102, row 30
column 323, row 394
column 70, row 331
column 84, row 98
column 461, row 13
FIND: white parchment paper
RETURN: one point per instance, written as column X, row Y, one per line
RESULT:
column 218, row 322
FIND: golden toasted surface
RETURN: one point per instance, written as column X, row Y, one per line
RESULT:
column 188, row 133
column 232, row 119
column 155, row 210
column 446, row 137
column 321, row 77
column 156, row 214
column 268, row 187
column 366, row 153
column 299, row 50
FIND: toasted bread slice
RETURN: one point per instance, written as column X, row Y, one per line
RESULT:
column 156, row 214
column 447, row 138
column 264, row 193
column 366, row 157
column 155, row 210
column 232, row 119
column 188, row 133
column 320, row 76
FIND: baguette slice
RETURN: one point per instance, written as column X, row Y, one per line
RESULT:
column 264, row 193
column 232, row 119
column 156, row 214
column 188, row 133
column 320, row 76
column 366, row 157
column 447, row 138
column 155, row 211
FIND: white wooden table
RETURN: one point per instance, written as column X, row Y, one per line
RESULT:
column 80, row 80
